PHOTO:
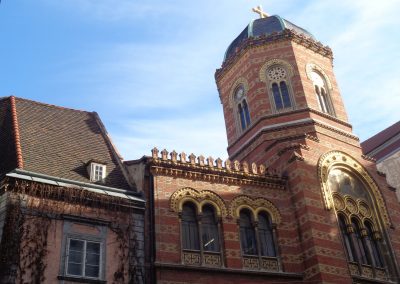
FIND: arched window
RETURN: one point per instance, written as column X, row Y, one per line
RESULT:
column 373, row 246
column 190, row 229
column 277, row 76
column 346, row 239
column 353, row 201
column 266, row 237
column 209, row 230
column 321, row 91
column 243, row 114
column 359, row 244
column 247, row 233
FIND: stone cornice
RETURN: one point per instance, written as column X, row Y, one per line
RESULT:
column 229, row 173
column 286, row 34
column 298, row 123
column 296, row 111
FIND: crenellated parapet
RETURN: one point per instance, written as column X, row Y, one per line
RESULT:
column 215, row 170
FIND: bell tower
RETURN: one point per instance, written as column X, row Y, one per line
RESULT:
column 276, row 85
column 282, row 108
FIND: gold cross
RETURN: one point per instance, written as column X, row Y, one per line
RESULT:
column 260, row 11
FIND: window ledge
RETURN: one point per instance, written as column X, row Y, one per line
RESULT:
column 81, row 279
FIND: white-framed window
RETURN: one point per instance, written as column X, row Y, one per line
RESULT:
column 84, row 258
column 97, row 171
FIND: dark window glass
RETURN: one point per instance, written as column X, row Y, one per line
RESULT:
column 373, row 247
column 242, row 118
column 190, row 231
column 75, row 257
column 247, row 233
column 267, row 245
column 324, row 100
column 277, row 96
column 359, row 244
column 209, row 226
column 285, row 95
column 246, row 113
column 346, row 239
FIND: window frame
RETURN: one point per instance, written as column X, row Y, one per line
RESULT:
column 94, row 172
column 70, row 233
column 241, row 108
column 84, row 258
column 278, row 91
column 201, row 252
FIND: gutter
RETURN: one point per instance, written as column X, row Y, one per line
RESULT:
column 67, row 182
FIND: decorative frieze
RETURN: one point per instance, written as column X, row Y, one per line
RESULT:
column 213, row 170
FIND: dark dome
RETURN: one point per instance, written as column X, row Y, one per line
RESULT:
column 263, row 27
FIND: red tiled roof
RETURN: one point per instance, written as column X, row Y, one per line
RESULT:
column 55, row 141
column 380, row 138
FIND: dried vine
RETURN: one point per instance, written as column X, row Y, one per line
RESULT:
column 31, row 209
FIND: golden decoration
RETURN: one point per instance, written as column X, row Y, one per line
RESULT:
column 199, row 198
column 338, row 159
column 255, row 206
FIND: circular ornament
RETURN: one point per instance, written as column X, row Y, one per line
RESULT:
column 239, row 93
column 351, row 206
column 276, row 73
column 339, row 203
column 364, row 210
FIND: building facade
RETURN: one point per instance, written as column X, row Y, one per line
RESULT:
column 297, row 201
column 67, row 212
column 384, row 147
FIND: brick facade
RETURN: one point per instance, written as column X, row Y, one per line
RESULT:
column 298, row 149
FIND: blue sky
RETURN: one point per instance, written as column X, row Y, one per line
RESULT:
column 147, row 67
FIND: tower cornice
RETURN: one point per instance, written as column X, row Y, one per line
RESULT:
column 286, row 34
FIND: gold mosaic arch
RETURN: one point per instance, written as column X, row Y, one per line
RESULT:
column 255, row 205
column 240, row 81
column 200, row 198
column 272, row 62
column 310, row 67
column 338, row 159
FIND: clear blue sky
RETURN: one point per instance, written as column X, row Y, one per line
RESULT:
column 147, row 67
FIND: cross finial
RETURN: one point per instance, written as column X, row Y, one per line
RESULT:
column 260, row 11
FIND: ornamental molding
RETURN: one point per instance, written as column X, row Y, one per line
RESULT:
column 210, row 170
column 341, row 160
column 199, row 198
column 240, row 81
column 310, row 67
column 275, row 62
column 287, row 34
column 256, row 206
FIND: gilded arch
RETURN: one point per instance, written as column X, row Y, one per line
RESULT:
column 255, row 206
column 272, row 62
column 341, row 160
column 310, row 67
column 199, row 198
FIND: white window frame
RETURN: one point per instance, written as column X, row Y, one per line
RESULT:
column 85, row 241
column 93, row 170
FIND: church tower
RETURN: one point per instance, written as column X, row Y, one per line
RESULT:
column 283, row 109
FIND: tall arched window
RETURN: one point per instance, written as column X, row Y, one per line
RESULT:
column 373, row 246
column 321, row 91
column 346, row 239
column 277, row 76
column 361, row 241
column 247, row 233
column 243, row 113
column 359, row 244
column 266, row 237
column 190, row 229
column 209, row 229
